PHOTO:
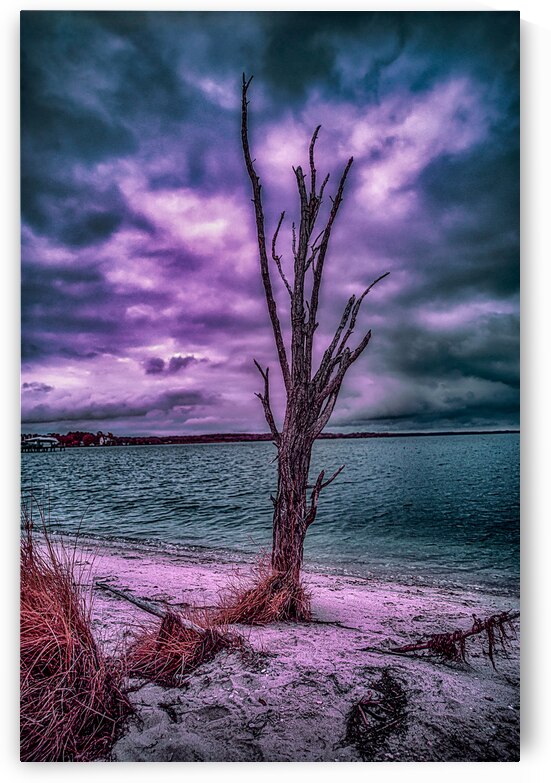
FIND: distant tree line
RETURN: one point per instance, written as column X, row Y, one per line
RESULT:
column 79, row 438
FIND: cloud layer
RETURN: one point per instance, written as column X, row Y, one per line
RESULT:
column 142, row 304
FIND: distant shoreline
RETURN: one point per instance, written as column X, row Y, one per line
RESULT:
column 243, row 437
column 238, row 437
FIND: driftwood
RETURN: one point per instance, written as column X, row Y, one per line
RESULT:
column 147, row 606
column 452, row 646
column 167, row 654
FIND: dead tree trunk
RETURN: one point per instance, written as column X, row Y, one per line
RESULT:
column 311, row 393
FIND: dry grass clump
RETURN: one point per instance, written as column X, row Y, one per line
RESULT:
column 167, row 654
column 72, row 703
column 269, row 598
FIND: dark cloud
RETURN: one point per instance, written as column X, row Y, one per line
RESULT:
column 35, row 386
column 74, row 311
column 488, row 352
column 154, row 366
column 485, row 44
column 302, row 50
column 182, row 401
column 138, row 236
column 76, row 213
column 54, row 51
column 142, row 60
column 178, row 363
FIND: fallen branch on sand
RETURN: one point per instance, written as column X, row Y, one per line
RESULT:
column 149, row 606
column 452, row 646
column 167, row 653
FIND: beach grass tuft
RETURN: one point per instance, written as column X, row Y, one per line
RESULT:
column 72, row 702
column 166, row 654
column 266, row 598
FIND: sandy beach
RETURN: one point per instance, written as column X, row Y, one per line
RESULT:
column 288, row 697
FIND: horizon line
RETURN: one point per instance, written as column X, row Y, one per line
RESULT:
column 266, row 436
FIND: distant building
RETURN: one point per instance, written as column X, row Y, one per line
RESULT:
column 41, row 443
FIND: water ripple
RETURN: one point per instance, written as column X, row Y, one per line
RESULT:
column 434, row 506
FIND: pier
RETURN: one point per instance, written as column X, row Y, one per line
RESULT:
column 42, row 444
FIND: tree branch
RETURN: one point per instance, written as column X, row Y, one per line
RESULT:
column 323, row 184
column 303, row 233
column 324, row 364
column 359, row 350
column 315, row 248
column 333, row 386
column 327, row 234
column 265, row 400
column 333, row 477
column 318, row 486
column 149, row 606
column 259, row 216
column 324, row 415
column 318, row 269
column 277, row 258
column 312, row 164
column 356, row 310
column 297, row 300
column 350, row 312
column 346, row 359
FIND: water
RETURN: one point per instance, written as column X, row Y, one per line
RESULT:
column 437, row 509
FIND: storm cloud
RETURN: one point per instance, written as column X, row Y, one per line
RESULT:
column 142, row 303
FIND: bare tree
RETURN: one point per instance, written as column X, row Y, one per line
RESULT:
column 311, row 393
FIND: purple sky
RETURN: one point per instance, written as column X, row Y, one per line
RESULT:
column 142, row 304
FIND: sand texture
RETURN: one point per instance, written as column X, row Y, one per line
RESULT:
column 289, row 696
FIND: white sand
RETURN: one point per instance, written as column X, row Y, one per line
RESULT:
column 291, row 701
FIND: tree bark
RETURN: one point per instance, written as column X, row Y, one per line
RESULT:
column 290, row 507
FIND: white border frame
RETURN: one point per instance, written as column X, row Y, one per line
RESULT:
column 535, row 411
